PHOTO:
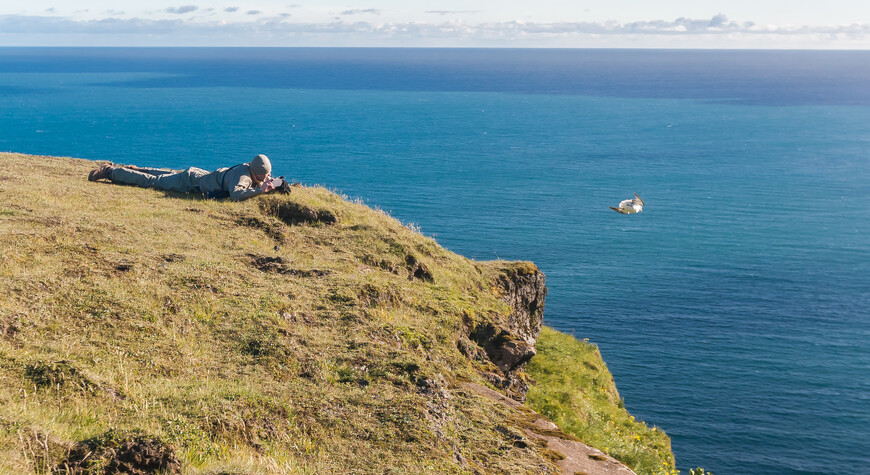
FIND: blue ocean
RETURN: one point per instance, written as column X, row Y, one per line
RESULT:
column 734, row 311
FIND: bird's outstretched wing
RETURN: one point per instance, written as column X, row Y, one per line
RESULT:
column 638, row 198
column 618, row 210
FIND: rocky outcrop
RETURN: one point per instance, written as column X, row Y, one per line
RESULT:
column 509, row 343
column 502, row 347
column 524, row 289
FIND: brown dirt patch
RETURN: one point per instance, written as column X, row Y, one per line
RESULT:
column 295, row 213
column 138, row 455
column 279, row 266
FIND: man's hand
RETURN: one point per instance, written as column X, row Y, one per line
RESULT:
column 267, row 184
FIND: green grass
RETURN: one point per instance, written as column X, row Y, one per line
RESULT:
column 247, row 343
column 575, row 390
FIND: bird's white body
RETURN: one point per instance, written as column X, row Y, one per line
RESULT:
column 630, row 206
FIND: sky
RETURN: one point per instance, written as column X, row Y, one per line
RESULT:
column 733, row 24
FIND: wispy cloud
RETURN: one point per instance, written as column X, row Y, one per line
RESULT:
column 452, row 12
column 231, row 9
column 280, row 30
column 367, row 11
column 253, row 12
column 22, row 24
column 182, row 9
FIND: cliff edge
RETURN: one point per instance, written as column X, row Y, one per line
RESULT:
column 142, row 331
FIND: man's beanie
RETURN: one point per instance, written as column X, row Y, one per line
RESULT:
column 260, row 165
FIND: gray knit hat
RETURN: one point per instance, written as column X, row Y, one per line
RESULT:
column 260, row 165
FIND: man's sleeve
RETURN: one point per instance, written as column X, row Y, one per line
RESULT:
column 244, row 188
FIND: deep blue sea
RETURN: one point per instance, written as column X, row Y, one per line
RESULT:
column 734, row 312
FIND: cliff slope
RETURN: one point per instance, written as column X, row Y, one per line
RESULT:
column 303, row 333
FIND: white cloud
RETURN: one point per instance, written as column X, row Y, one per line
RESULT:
column 371, row 11
column 231, row 9
column 182, row 9
column 452, row 12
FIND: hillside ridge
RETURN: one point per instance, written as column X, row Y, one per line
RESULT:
column 145, row 331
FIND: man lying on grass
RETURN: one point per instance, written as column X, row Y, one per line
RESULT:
column 240, row 182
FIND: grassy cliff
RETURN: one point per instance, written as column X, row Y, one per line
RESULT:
column 300, row 333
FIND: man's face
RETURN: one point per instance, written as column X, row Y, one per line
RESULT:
column 259, row 178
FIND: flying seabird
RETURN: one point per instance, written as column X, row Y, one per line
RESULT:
column 629, row 206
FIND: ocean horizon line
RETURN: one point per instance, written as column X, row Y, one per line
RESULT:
column 494, row 48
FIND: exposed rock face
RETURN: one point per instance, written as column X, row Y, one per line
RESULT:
column 503, row 349
column 525, row 290
column 509, row 344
